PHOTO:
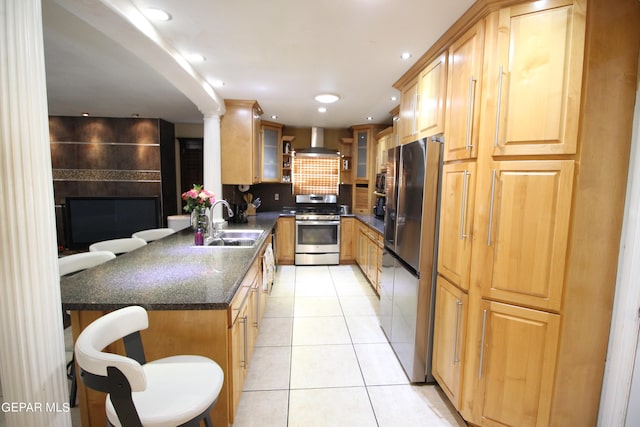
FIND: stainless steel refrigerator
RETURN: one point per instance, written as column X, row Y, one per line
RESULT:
column 407, row 293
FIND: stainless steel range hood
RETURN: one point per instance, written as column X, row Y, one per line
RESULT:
column 317, row 145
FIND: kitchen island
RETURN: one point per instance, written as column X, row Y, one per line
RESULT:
column 203, row 300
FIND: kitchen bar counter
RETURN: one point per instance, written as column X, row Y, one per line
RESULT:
column 168, row 274
column 194, row 296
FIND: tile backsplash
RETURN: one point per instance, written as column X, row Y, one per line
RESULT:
column 267, row 194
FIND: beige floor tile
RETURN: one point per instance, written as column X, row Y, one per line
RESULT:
column 365, row 329
column 379, row 365
column 317, row 306
column 359, row 305
column 320, row 330
column 352, row 288
column 330, row 407
column 263, row 409
column 279, row 307
column 407, row 405
column 283, row 288
column 324, row 366
column 275, row 331
column 315, row 288
column 269, row 369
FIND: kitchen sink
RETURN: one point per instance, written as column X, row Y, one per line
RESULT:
column 236, row 238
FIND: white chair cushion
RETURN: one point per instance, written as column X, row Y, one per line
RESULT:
column 76, row 262
column 153, row 234
column 118, row 246
column 179, row 388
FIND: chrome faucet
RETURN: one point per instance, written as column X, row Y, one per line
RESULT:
column 223, row 223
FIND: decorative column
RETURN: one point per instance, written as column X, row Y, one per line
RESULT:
column 211, row 159
column 32, row 358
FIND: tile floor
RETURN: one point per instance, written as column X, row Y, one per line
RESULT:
column 321, row 359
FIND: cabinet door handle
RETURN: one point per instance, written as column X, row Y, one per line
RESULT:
column 493, row 193
column 484, row 326
column 416, row 101
column 455, row 333
column 495, row 140
column 463, row 209
column 245, row 322
column 257, row 309
column 472, row 98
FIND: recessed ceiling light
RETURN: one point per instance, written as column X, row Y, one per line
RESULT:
column 327, row 98
column 196, row 57
column 405, row 55
column 273, row 116
column 157, row 14
column 322, row 110
column 85, row 114
column 136, row 115
column 394, row 98
column 217, row 83
column 369, row 118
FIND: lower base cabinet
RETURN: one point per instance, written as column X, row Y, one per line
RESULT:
column 449, row 338
column 369, row 244
column 285, row 240
column 514, row 371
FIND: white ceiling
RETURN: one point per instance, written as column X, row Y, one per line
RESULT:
column 278, row 52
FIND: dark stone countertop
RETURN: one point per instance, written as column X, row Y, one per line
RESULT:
column 167, row 274
column 372, row 221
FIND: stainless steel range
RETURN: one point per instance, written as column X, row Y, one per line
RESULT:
column 317, row 229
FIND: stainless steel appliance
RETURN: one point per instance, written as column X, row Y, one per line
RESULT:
column 407, row 293
column 317, row 230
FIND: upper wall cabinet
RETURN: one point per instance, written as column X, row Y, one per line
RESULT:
column 408, row 117
column 270, row 136
column 464, row 82
column 432, row 85
column 422, row 102
column 240, row 142
column 536, row 77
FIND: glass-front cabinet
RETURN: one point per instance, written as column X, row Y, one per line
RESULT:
column 270, row 136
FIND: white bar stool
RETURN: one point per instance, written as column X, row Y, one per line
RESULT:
column 178, row 222
column 173, row 391
column 118, row 246
column 153, row 234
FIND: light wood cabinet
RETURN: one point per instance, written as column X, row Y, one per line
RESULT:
column 346, row 152
column 536, row 78
column 408, row 114
column 464, row 83
column 526, row 234
column 239, row 334
column 515, row 366
column 347, row 233
column 456, row 222
column 550, row 137
column 384, row 142
column 270, row 136
column 369, row 246
column 449, row 338
column 286, row 150
column 432, row 85
column 364, row 167
column 285, row 240
column 240, row 142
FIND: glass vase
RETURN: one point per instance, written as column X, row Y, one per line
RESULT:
column 200, row 224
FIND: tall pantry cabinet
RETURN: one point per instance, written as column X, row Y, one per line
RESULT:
column 537, row 137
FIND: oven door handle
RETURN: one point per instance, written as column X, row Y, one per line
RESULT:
column 317, row 222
